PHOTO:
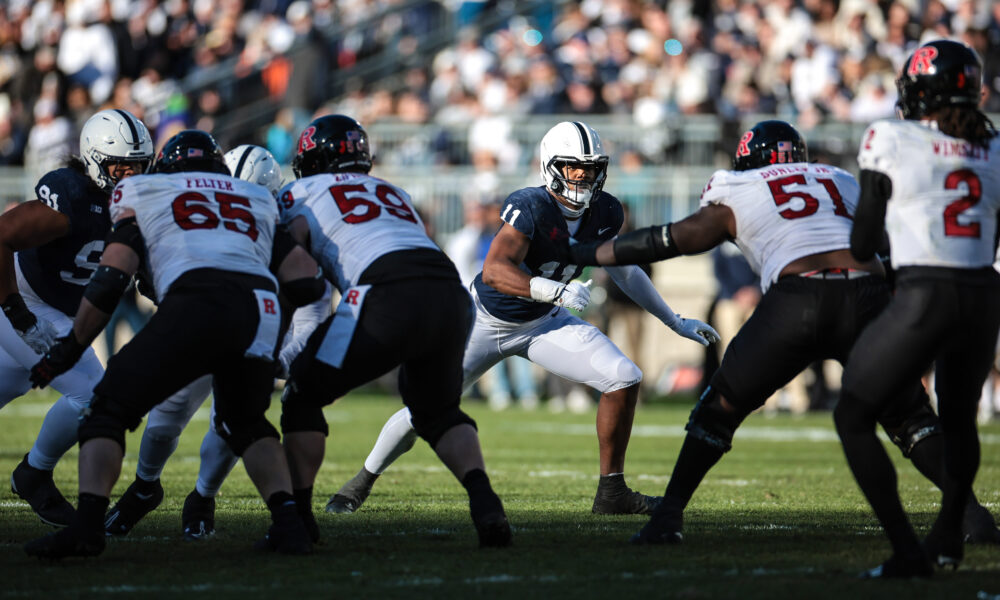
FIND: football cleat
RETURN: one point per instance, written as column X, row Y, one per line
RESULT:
column 36, row 487
column 352, row 494
column 944, row 548
column 661, row 529
column 287, row 534
column 64, row 543
column 132, row 507
column 627, row 502
column 900, row 568
column 978, row 525
column 198, row 516
column 494, row 530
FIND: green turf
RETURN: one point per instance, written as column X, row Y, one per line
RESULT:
column 779, row 517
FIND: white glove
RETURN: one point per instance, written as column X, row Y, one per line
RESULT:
column 574, row 295
column 39, row 336
column 693, row 329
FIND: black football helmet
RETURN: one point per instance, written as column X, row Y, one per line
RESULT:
column 939, row 73
column 768, row 143
column 332, row 144
column 190, row 150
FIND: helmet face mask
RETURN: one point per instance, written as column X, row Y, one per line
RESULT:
column 332, row 144
column 769, row 143
column 938, row 74
column 256, row 165
column 572, row 146
column 190, row 150
column 110, row 137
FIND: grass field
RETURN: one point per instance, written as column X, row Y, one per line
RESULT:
column 779, row 517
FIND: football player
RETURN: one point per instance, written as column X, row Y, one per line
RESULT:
column 169, row 418
column 49, row 247
column 522, row 296
column 206, row 239
column 792, row 219
column 932, row 180
column 402, row 304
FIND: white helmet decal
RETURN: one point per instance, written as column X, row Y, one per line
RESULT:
column 114, row 136
column 256, row 165
column 573, row 143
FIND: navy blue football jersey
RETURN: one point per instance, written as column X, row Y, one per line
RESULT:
column 536, row 214
column 59, row 270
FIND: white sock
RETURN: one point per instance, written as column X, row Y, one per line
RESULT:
column 57, row 436
column 395, row 439
column 217, row 460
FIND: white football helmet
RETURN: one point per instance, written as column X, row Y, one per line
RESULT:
column 114, row 136
column 256, row 165
column 577, row 144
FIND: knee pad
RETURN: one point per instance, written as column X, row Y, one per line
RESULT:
column 299, row 414
column 917, row 427
column 241, row 435
column 163, row 433
column 711, row 423
column 107, row 418
column 431, row 428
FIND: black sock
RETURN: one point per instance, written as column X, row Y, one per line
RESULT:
column 482, row 498
column 695, row 460
column 145, row 487
column 90, row 512
column 279, row 500
column 612, row 485
column 303, row 497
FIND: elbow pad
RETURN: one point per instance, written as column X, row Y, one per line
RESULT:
column 304, row 290
column 106, row 287
column 648, row 244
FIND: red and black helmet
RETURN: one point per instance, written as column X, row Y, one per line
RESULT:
column 939, row 73
column 768, row 143
column 191, row 150
column 332, row 144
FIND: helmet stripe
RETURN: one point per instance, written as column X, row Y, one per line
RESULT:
column 243, row 159
column 131, row 128
column 584, row 136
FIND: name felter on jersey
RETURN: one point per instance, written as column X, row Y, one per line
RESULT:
column 353, row 220
column 536, row 214
column 787, row 211
column 58, row 271
column 199, row 220
column 945, row 194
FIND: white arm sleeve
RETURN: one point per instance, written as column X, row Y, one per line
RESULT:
column 636, row 284
column 305, row 320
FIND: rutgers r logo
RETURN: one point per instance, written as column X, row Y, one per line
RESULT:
column 744, row 148
column 269, row 307
column 922, row 62
column 352, row 297
column 306, row 140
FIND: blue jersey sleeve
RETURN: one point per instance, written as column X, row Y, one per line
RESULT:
column 55, row 189
column 518, row 212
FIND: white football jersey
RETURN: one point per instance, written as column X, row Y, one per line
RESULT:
column 353, row 219
column 787, row 211
column 945, row 194
column 199, row 220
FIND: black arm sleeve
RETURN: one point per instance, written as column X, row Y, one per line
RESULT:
column 868, row 233
column 283, row 245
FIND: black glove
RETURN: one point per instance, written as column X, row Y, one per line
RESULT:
column 60, row 358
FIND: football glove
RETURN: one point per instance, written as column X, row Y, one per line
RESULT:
column 37, row 333
column 693, row 329
column 574, row 295
column 60, row 358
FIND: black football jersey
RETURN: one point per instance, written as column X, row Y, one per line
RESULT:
column 59, row 270
column 536, row 214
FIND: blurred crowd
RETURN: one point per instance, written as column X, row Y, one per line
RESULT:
column 803, row 60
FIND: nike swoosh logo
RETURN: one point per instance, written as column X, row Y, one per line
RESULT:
column 602, row 230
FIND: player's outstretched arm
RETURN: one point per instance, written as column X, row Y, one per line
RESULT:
column 868, row 231
column 705, row 229
column 119, row 262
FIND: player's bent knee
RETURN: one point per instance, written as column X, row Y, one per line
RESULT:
column 242, row 436
column 162, row 433
column 432, row 428
column 104, row 419
column 298, row 414
column 713, row 423
column 915, row 429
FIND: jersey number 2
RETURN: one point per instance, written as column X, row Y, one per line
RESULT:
column 193, row 210
column 782, row 197
column 952, row 228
